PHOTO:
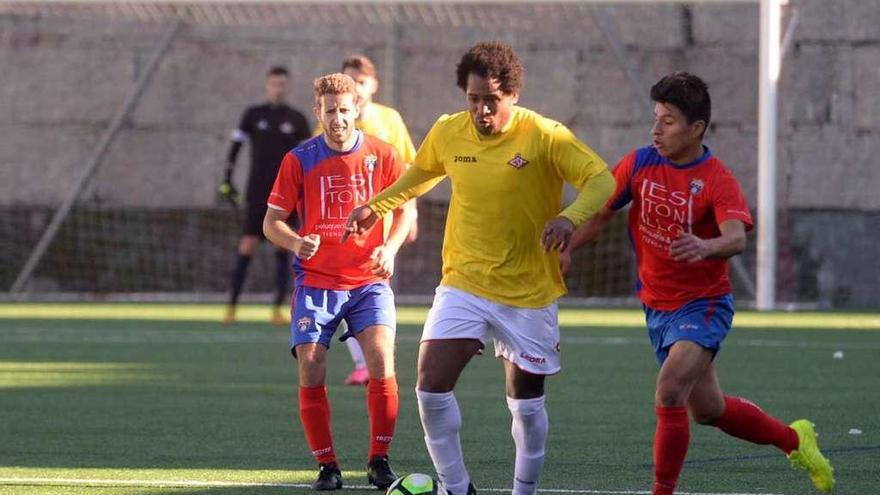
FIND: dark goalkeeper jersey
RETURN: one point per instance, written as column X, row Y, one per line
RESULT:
column 272, row 130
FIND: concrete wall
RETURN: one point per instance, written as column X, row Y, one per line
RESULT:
column 62, row 81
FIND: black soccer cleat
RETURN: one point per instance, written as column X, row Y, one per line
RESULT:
column 472, row 490
column 329, row 477
column 379, row 473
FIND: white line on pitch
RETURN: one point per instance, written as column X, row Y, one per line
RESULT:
column 245, row 484
column 161, row 337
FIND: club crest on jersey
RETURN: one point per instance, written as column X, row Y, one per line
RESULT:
column 370, row 162
column 695, row 186
column 287, row 128
column 518, row 161
column 262, row 125
column 304, row 323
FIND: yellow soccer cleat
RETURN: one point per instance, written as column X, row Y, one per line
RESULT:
column 229, row 316
column 808, row 457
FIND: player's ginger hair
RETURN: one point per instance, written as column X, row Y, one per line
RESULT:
column 334, row 84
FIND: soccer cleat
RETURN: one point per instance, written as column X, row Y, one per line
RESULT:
column 329, row 477
column 472, row 490
column 808, row 457
column 358, row 376
column 379, row 473
column 229, row 316
column 278, row 318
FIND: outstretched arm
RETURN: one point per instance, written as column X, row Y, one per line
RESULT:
column 412, row 184
column 594, row 193
column 587, row 232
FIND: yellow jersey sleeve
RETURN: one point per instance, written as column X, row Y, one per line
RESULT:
column 412, row 184
column 427, row 171
column 582, row 167
column 428, row 158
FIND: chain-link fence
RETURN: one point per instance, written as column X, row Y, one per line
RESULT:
column 148, row 220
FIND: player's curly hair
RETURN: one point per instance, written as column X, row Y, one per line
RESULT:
column 334, row 84
column 492, row 60
column 360, row 63
column 688, row 93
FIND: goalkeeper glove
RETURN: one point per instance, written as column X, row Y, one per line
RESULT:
column 228, row 191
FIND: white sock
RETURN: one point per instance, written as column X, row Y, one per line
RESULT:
column 357, row 354
column 529, row 430
column 441, row 420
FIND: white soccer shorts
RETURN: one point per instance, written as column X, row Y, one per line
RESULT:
column 527, row 337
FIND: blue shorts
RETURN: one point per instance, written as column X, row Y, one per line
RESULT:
column 703, row 321
column 317, row 312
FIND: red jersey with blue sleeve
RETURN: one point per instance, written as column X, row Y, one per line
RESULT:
column 323, row 186
column 670, row 199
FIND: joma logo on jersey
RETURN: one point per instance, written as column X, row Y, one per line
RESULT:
column 464, row 159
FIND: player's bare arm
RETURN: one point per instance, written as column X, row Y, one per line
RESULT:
column 690, row 248
column 588, row 232
column 279, row 233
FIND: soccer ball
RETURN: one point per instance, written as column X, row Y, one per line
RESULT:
column 415, row 484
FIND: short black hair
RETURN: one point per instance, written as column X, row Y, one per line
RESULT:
column 492, row 60
column 278, row 70
column 688, row 93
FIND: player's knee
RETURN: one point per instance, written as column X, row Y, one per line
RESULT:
column 430, row 381
column 310, row 357
column 523, row 385
column 380, row 365
column 669, row 395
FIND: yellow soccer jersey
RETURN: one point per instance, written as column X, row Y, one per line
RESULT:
column 386, row 124
column 505, row 188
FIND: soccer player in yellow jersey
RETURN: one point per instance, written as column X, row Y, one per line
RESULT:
column 505, row 227
column 386, row 124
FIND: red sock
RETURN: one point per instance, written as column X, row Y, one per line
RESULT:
column 670, row 447
column 743, row 419
column 314, row 411
column 382, row 403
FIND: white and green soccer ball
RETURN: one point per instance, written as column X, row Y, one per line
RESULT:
column 415, row 484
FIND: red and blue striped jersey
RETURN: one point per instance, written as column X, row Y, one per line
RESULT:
column 323, row 186
column 670, row 199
